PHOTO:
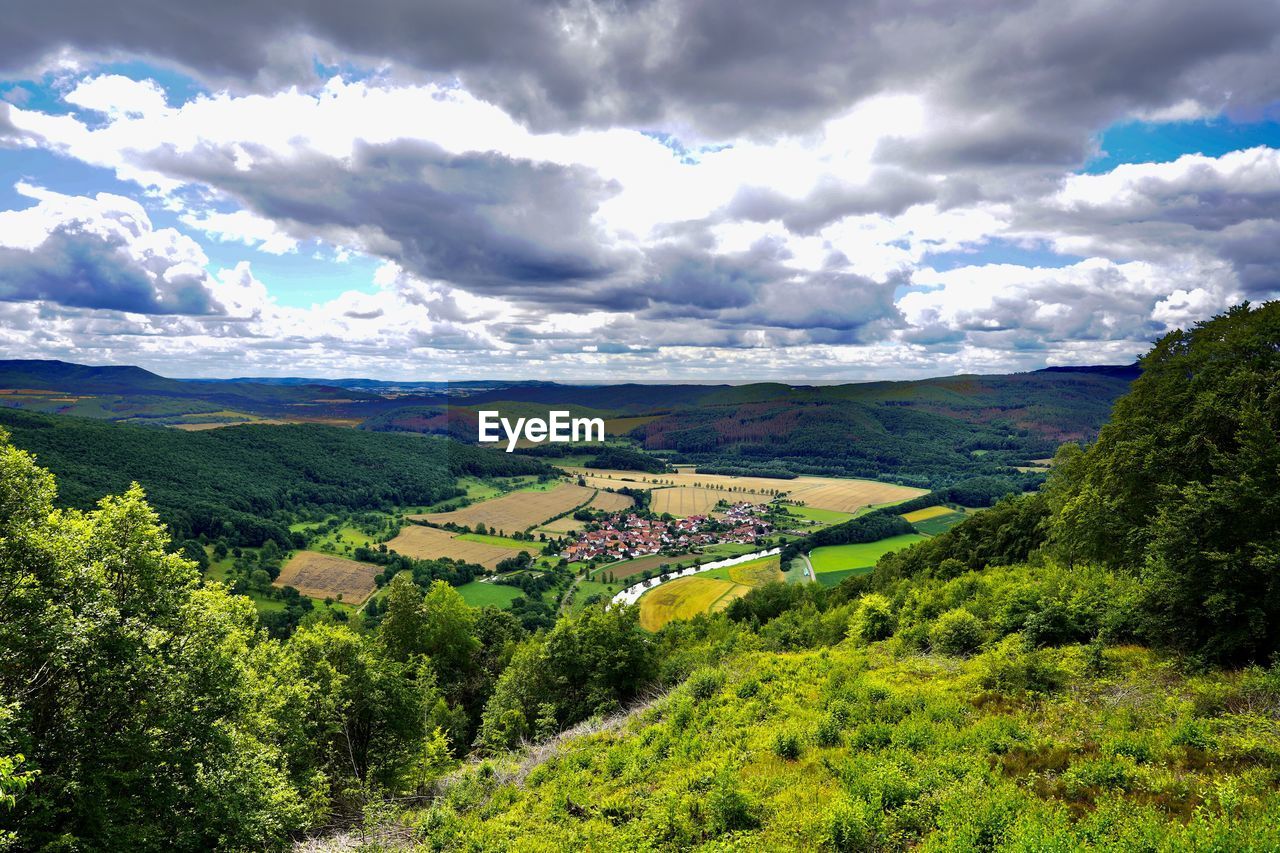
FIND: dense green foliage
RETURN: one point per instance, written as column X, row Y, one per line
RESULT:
column 1183, row 487
column 625, row 459
column 232, row 483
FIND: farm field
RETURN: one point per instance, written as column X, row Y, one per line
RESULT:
column 755, row 573
column 835, row 558
column 429, row 543
column 939, row 524
column 604, row 501
column 927, row 513
column 516, row 510
column 831, row 493
column 685, row 598
column 822, row 516
column 637, row 567
column 479, row 594
column 707, row 592
column 683, row 501
column 501, row 541
column 324, row 576
column 620, row 426
column 611, row 502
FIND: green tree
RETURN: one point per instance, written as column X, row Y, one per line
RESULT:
column 145, row 702
column 1183, row 488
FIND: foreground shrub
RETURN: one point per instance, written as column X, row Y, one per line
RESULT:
column 873, row 619
column 957, row 632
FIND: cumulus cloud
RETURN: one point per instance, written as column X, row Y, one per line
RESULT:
column 686, row 186
column 100, row 253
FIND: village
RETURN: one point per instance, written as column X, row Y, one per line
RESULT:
column 626, row 535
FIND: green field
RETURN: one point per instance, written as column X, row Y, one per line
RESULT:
column 836, row 558
column 587, row 588
column 822, row 516
column 941, row 524
column 534, row 548
column 477, row 594
column 834, row 578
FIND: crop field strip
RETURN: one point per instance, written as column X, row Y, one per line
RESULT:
column 431, row 543
column 709, row 592
column 322, row 576
column 841, row 495
column 683, row 501
column 515, row 511
column 683, row 598
column 834, row 558
column 927, row 513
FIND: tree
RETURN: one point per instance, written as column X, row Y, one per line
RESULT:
column 1182, row 488
column 140, row 694
column 194, row 551
column 403, row 621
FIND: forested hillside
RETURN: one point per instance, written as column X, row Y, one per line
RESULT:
column 230, row 483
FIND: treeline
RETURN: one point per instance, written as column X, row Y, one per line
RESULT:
column 910, row 445
column 242, row 483
column 626, row 459
column 746, row 471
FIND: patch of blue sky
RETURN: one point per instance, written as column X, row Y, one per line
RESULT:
column 300, row 279
column 54, row 172
column 999, row 251
column 1162, row 142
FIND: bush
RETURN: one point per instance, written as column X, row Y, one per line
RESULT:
column 705, row 683
column 873, row 620
column 786, row 745
column 957, row 632
column 1012, row 669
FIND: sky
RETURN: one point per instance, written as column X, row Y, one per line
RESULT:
column 634, row 189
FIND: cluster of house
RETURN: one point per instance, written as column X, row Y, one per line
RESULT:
column 626, row 535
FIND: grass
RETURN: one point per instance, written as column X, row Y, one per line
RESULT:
column 477, row 594
column 940, row 524
column 834, row 578
column 834, row 558
column 821, row 516
column 502, row 541
column 858, row 748
column 586, row 589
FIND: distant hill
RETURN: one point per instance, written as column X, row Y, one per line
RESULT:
column 926, row 432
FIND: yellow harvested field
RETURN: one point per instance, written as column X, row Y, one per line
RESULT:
column 605, row 501
column 611, row 502
column 568, row 524
column 821, row 492
column 685, row 598
column 928, row 513
column 684, row 501
column 325, row 576
column 516, row 511
column 430, row 543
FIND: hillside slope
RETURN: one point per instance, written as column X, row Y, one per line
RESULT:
column 855, row 748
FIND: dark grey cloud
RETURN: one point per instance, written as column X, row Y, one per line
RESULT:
column 84, row 270
column 889, row 191
column 722, row 67
column 485, row 222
